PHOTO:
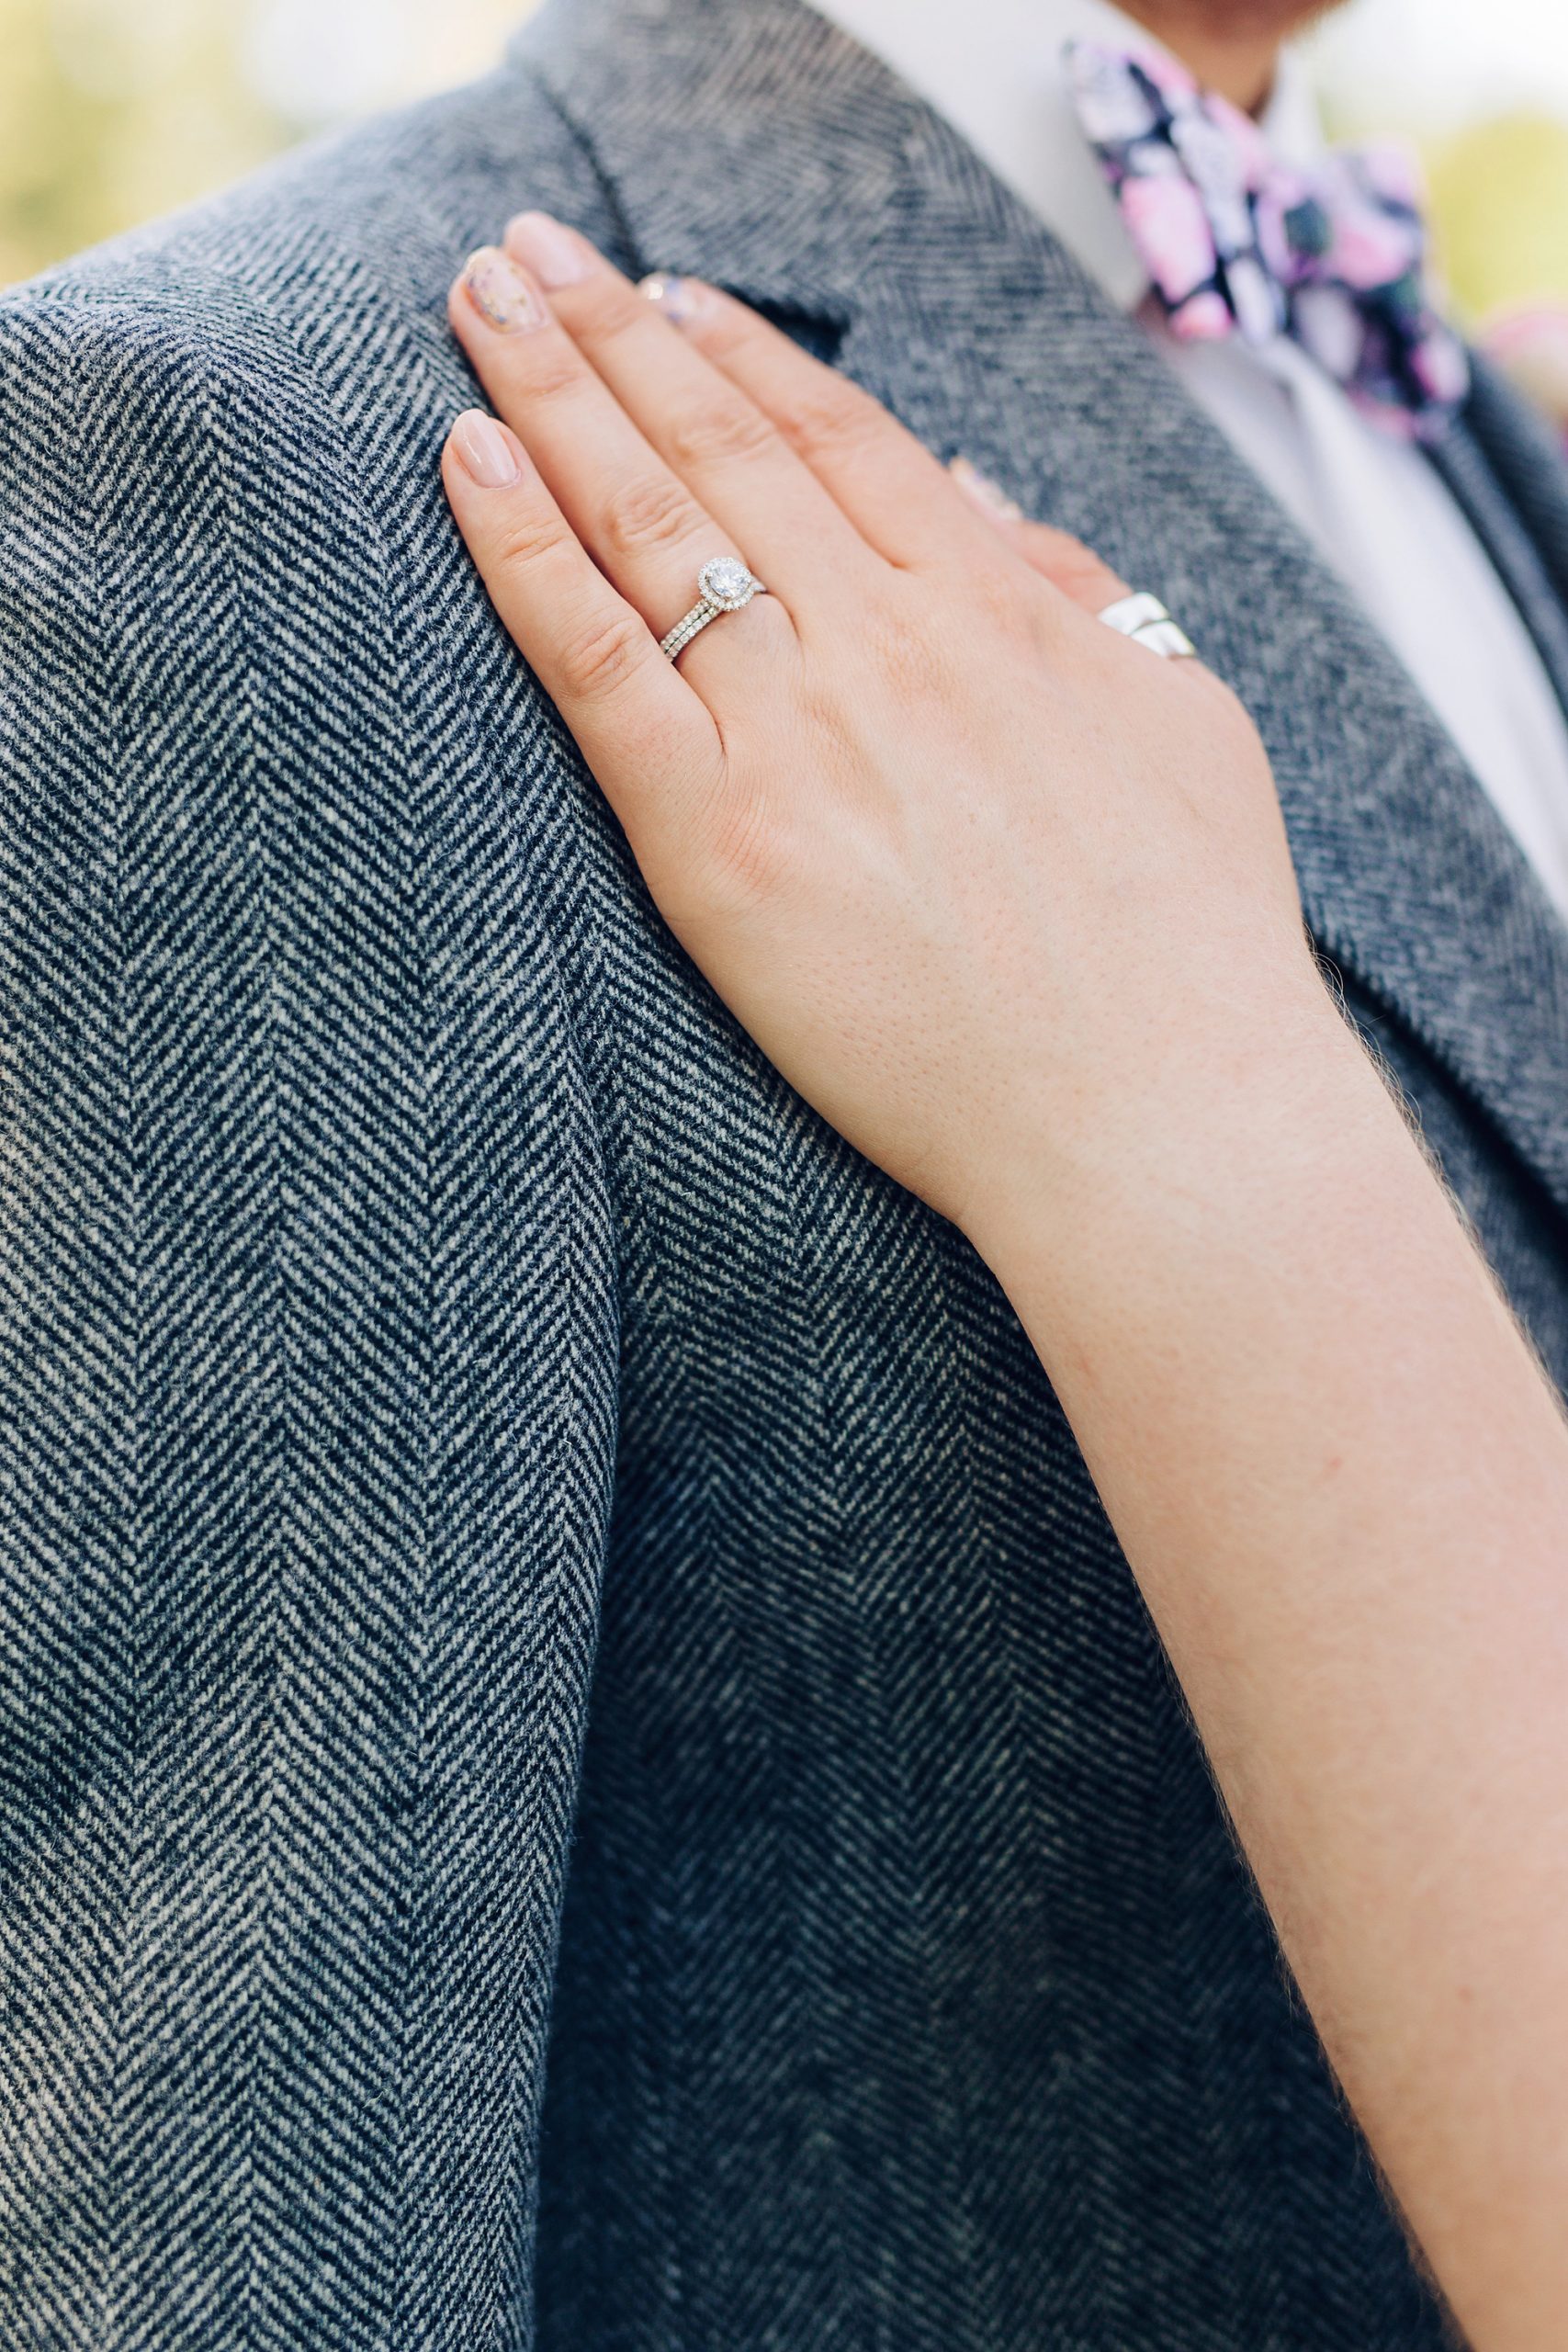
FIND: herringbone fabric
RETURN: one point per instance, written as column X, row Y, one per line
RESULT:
column 454, row 1396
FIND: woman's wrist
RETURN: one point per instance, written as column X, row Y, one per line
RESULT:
column 1214, row 1116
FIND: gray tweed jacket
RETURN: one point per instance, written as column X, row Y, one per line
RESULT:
column 515, row 1543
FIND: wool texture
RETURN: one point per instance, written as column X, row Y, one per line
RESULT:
column 580, row 1764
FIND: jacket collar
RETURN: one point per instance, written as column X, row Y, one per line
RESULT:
column 753, row 143
column 748, row 140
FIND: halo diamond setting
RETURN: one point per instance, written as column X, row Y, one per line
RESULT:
column 724, row 584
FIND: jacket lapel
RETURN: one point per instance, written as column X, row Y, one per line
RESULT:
column 752, row 142
column 1526, row 457
column 1522, row 525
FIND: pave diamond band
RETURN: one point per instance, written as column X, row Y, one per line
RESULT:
column 724, row 584
column 1144, row 619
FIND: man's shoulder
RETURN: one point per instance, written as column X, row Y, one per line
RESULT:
column 220, row 446
column 276, row 355
column 276, row 276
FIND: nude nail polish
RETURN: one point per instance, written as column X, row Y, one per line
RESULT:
column 487, row 453
column 550, row 250
column 500, row 292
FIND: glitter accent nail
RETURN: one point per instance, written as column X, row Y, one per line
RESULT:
column 682, row 300
column 500, row 292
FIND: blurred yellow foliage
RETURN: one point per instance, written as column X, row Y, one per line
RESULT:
column 105, row 118
column 1500, row 211
column 114, row 111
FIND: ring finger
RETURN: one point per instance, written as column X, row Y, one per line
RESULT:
column 637, row 519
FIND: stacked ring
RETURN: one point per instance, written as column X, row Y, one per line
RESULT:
column 724, row 584
column 1144, row 619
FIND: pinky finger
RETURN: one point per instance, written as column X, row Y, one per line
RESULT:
column 650, row 741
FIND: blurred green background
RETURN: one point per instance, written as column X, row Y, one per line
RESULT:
column 113, row 110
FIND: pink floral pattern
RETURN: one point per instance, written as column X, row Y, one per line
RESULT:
column 1235, row 244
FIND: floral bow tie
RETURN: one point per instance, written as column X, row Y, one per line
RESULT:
column 1237, row 243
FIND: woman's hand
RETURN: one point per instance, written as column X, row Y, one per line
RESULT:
column 983, row 877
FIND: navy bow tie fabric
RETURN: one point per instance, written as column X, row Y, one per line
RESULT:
column 1238, row 242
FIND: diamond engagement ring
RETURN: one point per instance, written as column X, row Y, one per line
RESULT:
column 724, row 584
column 1144, row 619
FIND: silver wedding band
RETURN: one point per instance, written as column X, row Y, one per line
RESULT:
column 1144, row 619
column 724, row 586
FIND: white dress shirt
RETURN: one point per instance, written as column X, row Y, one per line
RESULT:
column 1373, row 504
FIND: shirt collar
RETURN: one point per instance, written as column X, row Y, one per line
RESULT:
column 995, row 68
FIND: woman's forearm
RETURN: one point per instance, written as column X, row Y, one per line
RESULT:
column 1342, row 1482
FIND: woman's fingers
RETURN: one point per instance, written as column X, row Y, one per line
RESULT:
column 885, row 479
column 1075, row 570
column 896, row 493
column 647, row 437
column 663, row 448
column 704, row 427
column 638, row 518
column 643, row 730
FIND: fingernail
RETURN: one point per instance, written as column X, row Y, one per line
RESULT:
column 682, row 300
column 986, row 494
column 500, row 292
column 485, row 450
column 552, row 253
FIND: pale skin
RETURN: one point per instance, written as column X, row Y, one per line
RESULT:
column 942, row 842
